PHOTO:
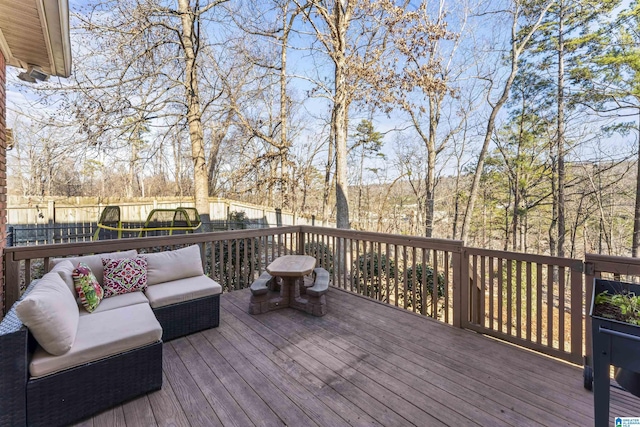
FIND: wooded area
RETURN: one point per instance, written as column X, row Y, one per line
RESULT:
column 509, row 124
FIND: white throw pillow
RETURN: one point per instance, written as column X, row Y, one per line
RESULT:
column 51, row 314
column 173, row 265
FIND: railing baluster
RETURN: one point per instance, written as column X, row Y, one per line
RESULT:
column 519, row 298
column 237, row 264
column 561, row 296
column 576, row 312
column 475, row 316
column 483, row 279
column 491, row 292
column 414, row 281
column 404, row 268
column 396, row 275
column 501, row 293
column 260, row 265
column 252, row 257
column 336, row 269
column 358, row 275
column 550, row 281
column 27, row 272
column 387, row 267
column 447, row 284
column 528, row 308
column 379, row 273
column 539, row 303
column 435, row 288
column 509, row 296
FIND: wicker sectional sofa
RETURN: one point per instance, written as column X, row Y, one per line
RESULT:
column 105, row 357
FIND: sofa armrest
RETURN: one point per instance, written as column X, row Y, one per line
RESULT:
column 14, row 370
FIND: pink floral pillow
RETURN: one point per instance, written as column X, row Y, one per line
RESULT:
column 124, row 275
column 89, row 290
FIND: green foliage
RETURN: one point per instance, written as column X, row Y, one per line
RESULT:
column 420, row 268
column 229, row 262
column 238, row 220
column 373, row 266
column 322, row 252
column 621, row 306
column 369, row 262
column 368, row 138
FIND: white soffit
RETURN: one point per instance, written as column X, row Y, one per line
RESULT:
column 36, row 32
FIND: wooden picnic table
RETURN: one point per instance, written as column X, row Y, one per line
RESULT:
column 291, row 268
column 288, row 271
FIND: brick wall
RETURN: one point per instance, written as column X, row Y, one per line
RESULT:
column 3, row 175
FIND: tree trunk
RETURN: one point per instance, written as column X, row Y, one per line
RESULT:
column 327, row 176
column 217, row 135
column 554, row 204
column 285, row 185
column 561, row 143
column 194, row 112
column 516, row 49
column 491, row 123
column 636, row 217
column 435, row 101
column 339, row 130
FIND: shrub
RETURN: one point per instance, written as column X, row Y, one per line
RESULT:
column 226, row 262
column 322, row 252
column 421, row 269
column 373, row 266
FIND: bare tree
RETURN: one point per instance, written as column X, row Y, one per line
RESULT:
column 519, row 41
column 142, row 39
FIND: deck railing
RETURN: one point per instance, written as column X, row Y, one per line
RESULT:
column 530, row 300
column 535, row 301
column 397, row 270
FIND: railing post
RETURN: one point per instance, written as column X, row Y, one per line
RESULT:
column 300, row 241
column 51, row 220
column 11, row 282
column 589, row 277
column 576, row 314
column 460, row 265
column 10, row 236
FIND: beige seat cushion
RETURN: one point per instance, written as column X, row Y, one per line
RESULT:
column 118, row 301
column 94, row 261
column 173, row 265
column 181, row 290
column 101, row 335
column 51, row 314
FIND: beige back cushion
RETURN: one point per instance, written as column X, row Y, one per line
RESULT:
column 94, row 261
column 65, row 270
column 173, row 265
column 51, row 314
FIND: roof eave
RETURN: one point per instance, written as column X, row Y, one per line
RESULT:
column 55, row 21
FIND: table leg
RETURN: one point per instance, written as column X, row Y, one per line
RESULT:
column 287, row 292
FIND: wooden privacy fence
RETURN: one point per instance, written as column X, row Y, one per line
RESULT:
column 534, row 301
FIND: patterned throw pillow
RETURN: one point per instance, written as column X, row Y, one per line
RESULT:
column 89, row 290
column 124, row 275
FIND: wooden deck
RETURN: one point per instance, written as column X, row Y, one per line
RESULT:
column 363, row 363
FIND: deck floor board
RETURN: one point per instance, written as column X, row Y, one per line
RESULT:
column 362, row 364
